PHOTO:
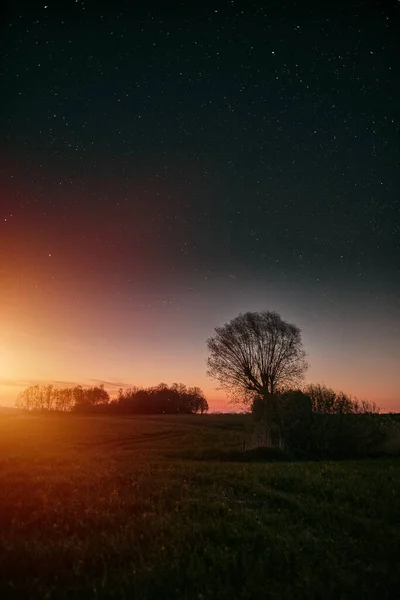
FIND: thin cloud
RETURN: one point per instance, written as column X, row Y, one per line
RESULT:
column 28, row 382
column 17, row 382
column 116, row 384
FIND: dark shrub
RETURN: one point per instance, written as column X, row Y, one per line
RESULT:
column 327, row 401
column 346, row 435
column 324, row 424
column 283, row 420
column 296, row 420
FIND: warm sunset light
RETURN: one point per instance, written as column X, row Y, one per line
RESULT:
column 199, row 300
column 6, row 369
column 77, row 333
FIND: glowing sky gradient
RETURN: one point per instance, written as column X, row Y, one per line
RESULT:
column 164, row 171
column 75, row 331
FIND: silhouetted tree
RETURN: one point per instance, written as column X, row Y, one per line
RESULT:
column 26, row 399
column 256, row 354
column 195, row 400
column 64, row 399
column 327, row 401
column 49, row 397
column 160, row 399
column 89, row 398
column 37, row 397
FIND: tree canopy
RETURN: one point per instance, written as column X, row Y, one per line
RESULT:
column 256, row 353
column 161, row 399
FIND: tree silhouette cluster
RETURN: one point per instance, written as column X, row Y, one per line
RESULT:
column 161, row 399
column 259, row 359
column 318, row 421
column 48, row 397
column 325, row 400
column 164, row 399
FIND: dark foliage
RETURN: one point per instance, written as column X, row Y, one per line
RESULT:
column 325, row 400
column 287, row 417
column 161, row 399
column 47, row 397
column 350, row 435
column 256, row 353
column 322, row 423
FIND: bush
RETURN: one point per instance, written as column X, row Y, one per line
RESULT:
column 295, row 420
column 343, row 426
column 347, row 435
column 327, row 401
column 323, row 423
column 283, row 420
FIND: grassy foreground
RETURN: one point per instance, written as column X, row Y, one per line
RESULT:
column 143, row 507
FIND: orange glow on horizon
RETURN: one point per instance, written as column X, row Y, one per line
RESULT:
column 61, row 322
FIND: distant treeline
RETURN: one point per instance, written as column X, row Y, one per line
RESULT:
column 161, row 399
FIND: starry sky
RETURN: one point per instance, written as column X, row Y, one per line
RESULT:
column 164, row 169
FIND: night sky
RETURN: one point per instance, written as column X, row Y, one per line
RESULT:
column 163, row 170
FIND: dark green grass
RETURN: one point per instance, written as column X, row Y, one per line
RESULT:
column 143, row 507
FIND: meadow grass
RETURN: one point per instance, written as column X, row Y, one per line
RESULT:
column 168, row 507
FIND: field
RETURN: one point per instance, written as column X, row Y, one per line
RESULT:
column 168, row 507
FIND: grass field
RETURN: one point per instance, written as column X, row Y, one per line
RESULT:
column 161, row 507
